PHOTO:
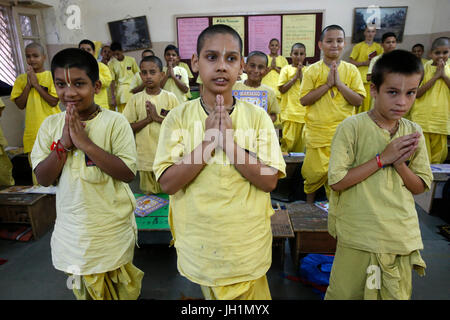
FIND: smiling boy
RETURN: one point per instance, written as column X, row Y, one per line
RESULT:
column 218, row 158
column 378, row 162
column 90, row 154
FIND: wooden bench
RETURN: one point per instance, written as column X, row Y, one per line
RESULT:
column 281, row 230
column 310, row 225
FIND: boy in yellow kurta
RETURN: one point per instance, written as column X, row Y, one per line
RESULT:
column 260, row 94
column 275, row 62
column 176, row 78
column 146, row 111
column 292, row 112
column 218, row 158
column 136, row 84
column 89, row 152
column 330, row 91
column 6, row 178
column 389, row 43
column 418, row 50
column 432, row 107
column 104, row 75
column 361, row 55
column 122, row 69
column 378, row 162
column 35, row 92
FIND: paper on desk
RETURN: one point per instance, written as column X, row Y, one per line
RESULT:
column 322, row 205
column 41, row 189
column 444, row 168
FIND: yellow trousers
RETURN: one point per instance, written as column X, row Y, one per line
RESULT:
column 247, row 290
column 436, row 147
column 315, row 168
column 358, row 275
column 148, row 183
column 123, row 283
column 293, row 138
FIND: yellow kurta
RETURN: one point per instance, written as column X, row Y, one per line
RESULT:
column 123, row 72
column 188, row 70
column 171, row 86
column 291, row 108
column 147, row 138
column 271, row 79
column 378, row 214
column 360, row 53
column 272, row 106
column 325, row 114
column 105, row 78
column 432, row 110
column 95, row 229
column 220, row 222
column 136, row 81
column 37, row 109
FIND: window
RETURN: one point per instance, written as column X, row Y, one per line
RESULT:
column 19, row 26
column 8, row 57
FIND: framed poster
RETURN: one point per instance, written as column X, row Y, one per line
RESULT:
column 131, row 33
column 386, row 19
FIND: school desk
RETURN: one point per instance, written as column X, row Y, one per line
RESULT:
column 35, row 209
column 310, row 225
column 290, row 188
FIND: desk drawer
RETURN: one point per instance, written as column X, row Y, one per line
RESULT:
column 14, row 214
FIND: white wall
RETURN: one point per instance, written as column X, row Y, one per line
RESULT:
column 423, row 17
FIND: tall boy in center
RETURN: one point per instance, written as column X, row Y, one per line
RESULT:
column 330, row 90
column 218, row 158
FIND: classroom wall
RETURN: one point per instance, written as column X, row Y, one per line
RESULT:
column 425, row 21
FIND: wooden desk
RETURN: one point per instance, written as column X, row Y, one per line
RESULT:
column 36, row 209
column 290, row 188
column 310, row 226
column 440, row 177
column 281, row 230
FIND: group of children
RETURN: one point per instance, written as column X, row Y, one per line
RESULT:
column 219, row 158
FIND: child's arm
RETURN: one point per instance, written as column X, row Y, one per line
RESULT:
column 359, row 64
column 180, row 84
column 48, row 170
column 32, row 79
column 139, row 125
column 138, row 89
column 153, row 113
column 298, row 76
column 311, row 97
column 430, row 83
column 180, row 174
column 108, row 163
column 250, row 167
column 351, row 96
column 395, row 153
column 21, row 101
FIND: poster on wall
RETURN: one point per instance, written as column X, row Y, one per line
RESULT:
column 261, row 29
column 386, row 19
column 299, row 28
column 131, row 33
column 188, row 31
column 237, row 23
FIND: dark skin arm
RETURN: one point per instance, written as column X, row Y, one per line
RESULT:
column 74, row 135
column 298, row 76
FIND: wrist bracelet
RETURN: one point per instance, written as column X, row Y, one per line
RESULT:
column 378, row 158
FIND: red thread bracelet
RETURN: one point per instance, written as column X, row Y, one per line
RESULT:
column 380, row 165
column 58, row 146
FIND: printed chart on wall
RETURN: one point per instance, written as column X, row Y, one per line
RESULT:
column 299, row 28
column 260, row 30
column 237, row 23
column 188, row 31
